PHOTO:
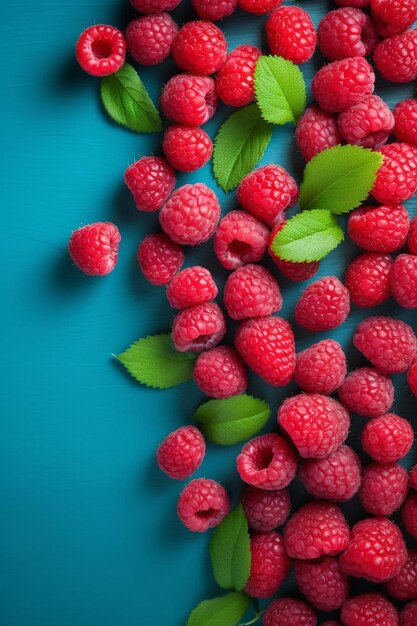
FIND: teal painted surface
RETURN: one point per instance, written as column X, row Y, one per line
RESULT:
column 88, row 529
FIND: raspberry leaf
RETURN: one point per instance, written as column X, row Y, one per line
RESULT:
column 226, row 610
column 126, row 100
column 280, row 90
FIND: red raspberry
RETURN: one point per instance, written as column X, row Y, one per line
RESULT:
column 412, row 376
column 200, row 48
column 316, row 530
column 194, row 285
column 251, row 291
column 331, row 622
column 384, row 488
column 404, row 280
column 267, row 462
column 317, row 425
column 265, row 510
column 240, row 239
column 149, row 39
column 322, row 582
column 413, row 478
column 187, row 148
column 94, row 248
column 412, row 237
column 270, row 564
column 234, row 84
column 181, row 453
column 289, row 612
column 408, row 615
column 342, row 84
column 150, row 181
column 321, row 368
column 296, row 272
column 199, row 328
column 191, row 214
column 369, row 609
column 159, row 258
column 219, row 373
column 346, row 33
column 379, row 228
column 337, row 477
column 368, row 123
column 409, row 514
column 202, row 504
column 396, row 179
column 324, row 305
column 376, row 550
column 290, row 33
column 367, row 392
column 101, row 50
column 189, row 100
column 266, row 192
column 405, row 114
column 214, row 10
column 368, row 279
column 389, row 344
column 396, row 58
column 353, row 3
column 259, row 7
column 149, row 7
column 267, row 346
column 393, row 16
column 404, row 586
column 316, row 131
column 387, row 438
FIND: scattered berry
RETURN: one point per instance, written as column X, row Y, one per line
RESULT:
column 149, row 38
column 387, row 438
column 368, row 123
column 150, row 181
column 346, row 32
column 379, row 228
column 368, row 279
column 405, row 115
column 367, row 392
column 409, row 514
column 404, row 586
column 270, row 564
column 289, row 612
column 267, row 462
column 199, row 48
column 202, row 504
column 101, row 50
column 337, row 477
column 214, row 10
column 412, row 237
column 316, row 131
column 189, row 100
column 384, row 488
column 94, row 248
column 150, row 7
column 265, row 510
column 396, row 179
column 219, row 373
column 369, row 609
column 290, row 33
column 159, row 258
column 187, row 148
column 321, row 368
column 404, row 280
column 194, row 285
column 322, row 582
column 396, row 58
column 199, row 328
column 259, row 7
column 342, row 84
column 240, row 239
column 393, row 16
column 234, row 84
column 408, row 615
column 412, row 376
column 251, row 291
column 181, row 453
column 324, row 305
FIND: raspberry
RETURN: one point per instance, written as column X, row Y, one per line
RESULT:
column 267, row 462
column 194, row 285
column 412, row 376
column 322, row 582
column 191, row 214
column 368, row 123
column 331, row 622
column 408, row 615
column 384, row 488
column 346, row 33
column 317, row 425
column 353, row 3
column 393, row 16
column 412, row 237
column 396, row 58
column 149, row 7
column 266, row 192
column 270, row 564
column 291, row 34
column 389, row 344
column 199, row 328
column 404, row 586
column 342, row 84
column 189, row 100
column 413, row 477
column 202, row 504
column 149, row 39
column 321, row 368
column 376, row 551
column 324, row 305
column 240, row 239
column 296, row 272
column 409, row 515
column 259, row 7
column 387, row 438
column 289, row 612
column 367, row 392
column 251, row 291
column 219, row 373
column 214, row 10
column 337, row 477
column 265, row 510
column 159, row 258
column 315, row 530
column 369, row 609
column 150, row 181
column 181, row 453
column 396, row 179
column 316, row 131
column 379, row 228
column 404, row 280
column 368, row 279
column 267, row 346
column 234, row 85
column 405, row 115
column 187, row 148
column 200, row 48
column 101, row 50
column 94, row 248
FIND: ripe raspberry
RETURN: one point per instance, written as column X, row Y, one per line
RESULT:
column 191, row 214
column 392, row 17
column 379, row 228
column 404, row 586
column 396, row 179
column 267, row 346
column 317, row 425
column 337, row 477
column 316, row 530
column 265, row 510
column 412, row 237
column 321, row 368
column 189, row 100
column 376, row 550
column 369, row 609
column 324, row 305
column 342, row 84
column 267, row 462
column 194, row 285
column 408, row 615
column 290, row 33
column 199, row 328
column 251, row 291
column 368, row 279
column 316, row 131
column 219, row 373
column 353, row 3
column 259, row 7
column 200, row 48
column 240, row 239
column 181, row 453
column 266, row 192
column 202, row 504
column 214, row 10
column 368, row 123
column 409, row 514
column 94, row 248
column 149, row 7
column 289, row 612
column 367, row 392
column 405, row 114
column 270, row 564
column 412, row 376
column 101, row 50
column 389, row 344
column 396, row 58
column 187, row 148
column 234, row 85
column 384, row 488
column 159, row 258
column 413, row 478
column 346, row 33
column 322, row 582
column 149, row 39
column 296, row 272
column 387, row 438
column 404, row 280
column 150, row 181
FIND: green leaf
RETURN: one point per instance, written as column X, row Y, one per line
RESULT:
column 309, row 236
column 221, row 611
column 239, row 146
column 339, row 179
column 154, row 362
column 230, row 551
column 127, row 102
column 280, row 90
column 232, row 420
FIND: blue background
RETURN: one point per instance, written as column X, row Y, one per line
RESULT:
column 88, row 530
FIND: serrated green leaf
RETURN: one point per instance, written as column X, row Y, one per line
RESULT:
column 226, row 610
column 339, row 179
column 230, row 551
column 153, row 361
column 239, row 146
column 308, row 236
column 280, row 90
column 126, row 100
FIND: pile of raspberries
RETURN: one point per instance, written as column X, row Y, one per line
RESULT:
column 313, row 425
